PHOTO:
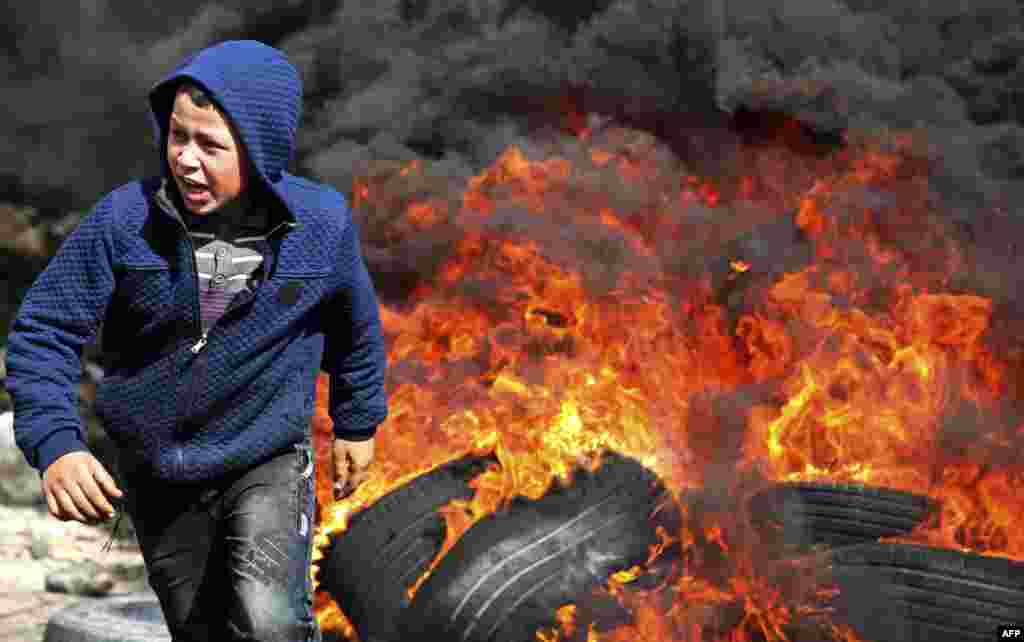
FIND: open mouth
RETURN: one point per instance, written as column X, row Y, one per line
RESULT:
column 193, row 189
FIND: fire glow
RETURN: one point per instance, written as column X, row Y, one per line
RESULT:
column 574, row 311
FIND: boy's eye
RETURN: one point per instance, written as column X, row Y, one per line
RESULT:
column 179, row 135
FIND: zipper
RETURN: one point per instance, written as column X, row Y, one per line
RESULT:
column 196, row 347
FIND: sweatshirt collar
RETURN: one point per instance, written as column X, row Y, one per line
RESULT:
column 240, row 212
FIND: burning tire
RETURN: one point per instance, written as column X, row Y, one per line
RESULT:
column 907, row 593
column 806, row 514
column 509, row 573
column 388, row 545
column 136, row 617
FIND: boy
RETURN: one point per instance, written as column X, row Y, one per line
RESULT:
column 222, row 287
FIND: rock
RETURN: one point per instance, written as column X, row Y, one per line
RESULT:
column 129, row 571
column 23, row 575
column 81, row 578
column 19, row 235
column 40, row 547
column 26, row 604
column 19, row 482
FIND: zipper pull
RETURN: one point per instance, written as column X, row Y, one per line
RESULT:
column 199, row 345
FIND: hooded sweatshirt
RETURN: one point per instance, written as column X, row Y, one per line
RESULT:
column 189, row 403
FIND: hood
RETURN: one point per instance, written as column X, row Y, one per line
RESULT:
column 255, row 86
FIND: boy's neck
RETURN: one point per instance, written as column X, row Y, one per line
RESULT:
column 234, row 210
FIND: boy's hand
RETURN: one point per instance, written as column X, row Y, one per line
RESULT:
column 77, row 487
column 351, row 461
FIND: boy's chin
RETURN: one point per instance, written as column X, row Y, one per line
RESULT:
column 202, row 208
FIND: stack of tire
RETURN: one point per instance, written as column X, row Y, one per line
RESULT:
column 509, row 572
column 890, row 592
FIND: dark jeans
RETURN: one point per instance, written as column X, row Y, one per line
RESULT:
column 231, row 560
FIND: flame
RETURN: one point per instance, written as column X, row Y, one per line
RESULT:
column 574, row 312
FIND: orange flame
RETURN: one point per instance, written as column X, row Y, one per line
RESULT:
column 574, row 314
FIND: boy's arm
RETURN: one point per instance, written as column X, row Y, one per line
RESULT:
column 355, row 356
column 60, row 313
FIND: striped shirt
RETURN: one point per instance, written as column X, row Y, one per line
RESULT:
column 231, row 246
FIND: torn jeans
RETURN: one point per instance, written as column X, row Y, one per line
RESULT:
column 231, row 560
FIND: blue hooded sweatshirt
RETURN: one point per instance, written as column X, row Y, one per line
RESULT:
column 188, row 407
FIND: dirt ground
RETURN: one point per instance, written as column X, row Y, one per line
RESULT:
column 32, row 545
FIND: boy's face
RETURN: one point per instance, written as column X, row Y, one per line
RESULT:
column 205, row 157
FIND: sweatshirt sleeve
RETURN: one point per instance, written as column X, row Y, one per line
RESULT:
column 59, row 314
column 355, row 357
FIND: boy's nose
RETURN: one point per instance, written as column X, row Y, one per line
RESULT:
column 187, row 166
column 186, row 158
